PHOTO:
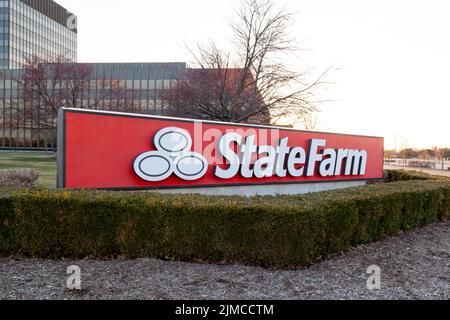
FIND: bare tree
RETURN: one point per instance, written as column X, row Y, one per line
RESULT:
column 254, row 86
column 309, row 121
column 46, row 85
column 56, row 83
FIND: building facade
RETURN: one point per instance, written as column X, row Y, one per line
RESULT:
column 40, row 27
column 45, row 30
column 146, row 82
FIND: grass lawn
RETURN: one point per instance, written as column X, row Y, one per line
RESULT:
column 45, row 163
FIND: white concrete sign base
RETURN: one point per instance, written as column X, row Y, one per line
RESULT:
column 267, row 190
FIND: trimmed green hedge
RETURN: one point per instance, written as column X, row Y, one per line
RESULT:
column 284, row 231
column 404, row 175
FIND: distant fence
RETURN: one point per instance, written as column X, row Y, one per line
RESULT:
column 10, row 149
column 437, row 164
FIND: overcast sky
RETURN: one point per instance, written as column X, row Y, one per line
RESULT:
column 393, row 55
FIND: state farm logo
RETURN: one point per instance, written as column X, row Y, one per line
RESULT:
column 173, row 156
column 246, row 155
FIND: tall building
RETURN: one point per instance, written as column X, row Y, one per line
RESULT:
column 40, row 27
column 46, row 29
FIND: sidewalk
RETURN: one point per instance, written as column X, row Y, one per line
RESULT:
column 429, row 171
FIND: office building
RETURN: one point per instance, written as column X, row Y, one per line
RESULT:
column 40, row 27
column 46, row 30
column 146, row 82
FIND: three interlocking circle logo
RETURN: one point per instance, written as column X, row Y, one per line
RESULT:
column 173, row 155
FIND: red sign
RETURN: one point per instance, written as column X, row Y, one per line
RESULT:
column 106, row 150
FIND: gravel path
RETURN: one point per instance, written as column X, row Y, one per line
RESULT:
column 413, row 266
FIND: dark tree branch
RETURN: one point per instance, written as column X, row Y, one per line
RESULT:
column 258, row 88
